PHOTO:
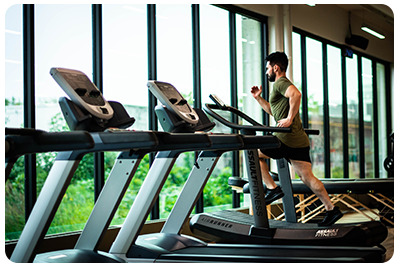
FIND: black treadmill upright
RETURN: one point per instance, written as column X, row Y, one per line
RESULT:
column 171, row 246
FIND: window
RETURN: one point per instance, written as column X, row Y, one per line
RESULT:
column 382, row 118
column 349, row 79
column 125, row 59
column 174, row 65
column 174, row 47
column 250, row 72
column 368, row 117
column 125, row 79
column 215, row 77
column 335, row 111
column 214, row 44
column 14, row 214
column 315, row 104
column 249, row 64
column 13, row 67
column 66, row 45
column 296, row 61
column 353, row 118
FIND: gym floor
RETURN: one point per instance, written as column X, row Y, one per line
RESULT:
column 351, row 217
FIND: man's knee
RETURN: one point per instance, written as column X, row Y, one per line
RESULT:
column 262, row 155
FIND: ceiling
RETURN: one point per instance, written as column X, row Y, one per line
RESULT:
column 380, row 14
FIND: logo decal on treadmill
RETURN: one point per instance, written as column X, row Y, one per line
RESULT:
column 217, row 222
column 327, row 233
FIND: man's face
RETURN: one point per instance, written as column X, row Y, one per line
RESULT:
column 271, row 75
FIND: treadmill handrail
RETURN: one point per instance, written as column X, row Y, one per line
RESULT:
column 254, row 127
column 24, row 141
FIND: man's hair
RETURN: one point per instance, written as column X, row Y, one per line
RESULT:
column 278, row 58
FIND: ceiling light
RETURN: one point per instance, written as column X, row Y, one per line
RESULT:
column 371, row 31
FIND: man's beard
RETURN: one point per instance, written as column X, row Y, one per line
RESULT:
column 271, row 77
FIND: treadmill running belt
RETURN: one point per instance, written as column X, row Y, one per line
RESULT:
column 231, row 226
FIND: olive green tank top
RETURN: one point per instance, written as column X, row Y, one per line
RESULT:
column 280, row 110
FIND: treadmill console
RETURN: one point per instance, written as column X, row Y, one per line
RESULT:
column 82, row 92
column 217, row 101
column 173, row 101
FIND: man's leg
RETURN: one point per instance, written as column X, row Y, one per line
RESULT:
column 274, row 192
column 267, row 179
column 303, row 169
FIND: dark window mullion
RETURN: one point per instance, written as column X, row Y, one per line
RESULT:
column 152, row 75
column 375, row 119
column 234, row 98
column 345, row 120
column 264, row 81
column 97, row 57
column 327, row 146
column 304, row 81
column 28, row 39
column 361, row 118
column 388, row 95
column 199, row 208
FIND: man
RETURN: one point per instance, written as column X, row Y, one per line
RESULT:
column 295, row 147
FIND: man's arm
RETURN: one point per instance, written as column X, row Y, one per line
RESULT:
column 294, row 96
column 256, row 92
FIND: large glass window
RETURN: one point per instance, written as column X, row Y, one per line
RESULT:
column 13, row 67
column 59, row 44
column 250, row 71
column 368, row 117
column 335, row 111
column 353, row 118
column 174, row 47
column 214, row 44
column 249, row 63
column 125, row 59
column 14, row 214
column 174, row 65
column 125, row 79
column 215, row 79
column 382, row 118
column 296, row 61
column 315, row 104
column 66, row 45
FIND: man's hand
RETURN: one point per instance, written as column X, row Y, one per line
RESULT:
column 256, row 92
column 285, row 122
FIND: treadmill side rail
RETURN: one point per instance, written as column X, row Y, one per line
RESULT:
column 44, row 210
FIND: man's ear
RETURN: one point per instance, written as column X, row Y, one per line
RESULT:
column 276, row 67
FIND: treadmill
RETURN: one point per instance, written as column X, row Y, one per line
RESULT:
column 106, row 134
column 366, row 234
column 171, row 246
